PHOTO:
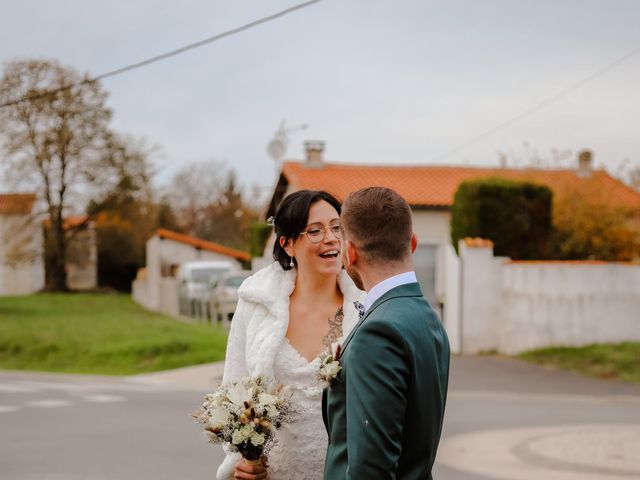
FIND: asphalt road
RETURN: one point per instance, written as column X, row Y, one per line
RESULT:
column 65, row 427
column 505, row 420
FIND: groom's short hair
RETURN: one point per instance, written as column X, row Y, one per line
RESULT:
column 379, row 222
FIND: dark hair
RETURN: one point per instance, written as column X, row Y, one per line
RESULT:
column 291, row 218
column 378, row 221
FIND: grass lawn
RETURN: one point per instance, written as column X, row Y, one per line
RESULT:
column 620, row 361
column 101, row 334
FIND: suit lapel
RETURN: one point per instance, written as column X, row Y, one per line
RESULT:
column 406, row 290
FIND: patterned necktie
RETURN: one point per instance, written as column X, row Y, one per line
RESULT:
column 360, row 308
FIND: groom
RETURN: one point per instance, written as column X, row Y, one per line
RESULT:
column 384, row 412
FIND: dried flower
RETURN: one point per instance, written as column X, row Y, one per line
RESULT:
column 245, row 415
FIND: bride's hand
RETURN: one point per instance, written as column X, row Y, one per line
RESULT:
column 251, row 471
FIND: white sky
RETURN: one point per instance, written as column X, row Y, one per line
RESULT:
column 401, row 81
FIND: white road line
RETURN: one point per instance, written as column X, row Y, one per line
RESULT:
column 10, row 388
column 49, row 403
column 8, row 408
column 103, row 398
column 86, row 387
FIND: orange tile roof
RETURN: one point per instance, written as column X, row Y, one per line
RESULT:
column 478, row 242
column 203, row 244
column 16, row 203
column 435, row 186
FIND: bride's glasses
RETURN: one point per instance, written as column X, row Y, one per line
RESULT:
column 317, row 233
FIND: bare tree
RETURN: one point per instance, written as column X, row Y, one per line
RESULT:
column 209, row 204
column 56, row 140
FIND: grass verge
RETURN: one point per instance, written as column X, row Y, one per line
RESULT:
column 99, row 334
column 620, row 361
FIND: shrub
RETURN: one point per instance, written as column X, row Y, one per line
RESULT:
column 515, row 216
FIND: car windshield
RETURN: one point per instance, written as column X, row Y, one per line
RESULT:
column 234, row 281
column 204, row 275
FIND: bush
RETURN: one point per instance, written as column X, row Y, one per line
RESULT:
column 515, row 216
column 258, row 235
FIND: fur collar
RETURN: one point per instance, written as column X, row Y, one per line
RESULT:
column 272, row 286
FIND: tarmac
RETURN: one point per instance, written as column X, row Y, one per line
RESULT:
column 596, row 447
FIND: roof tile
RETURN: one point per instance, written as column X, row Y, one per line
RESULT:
column 16, row 203
column 203, row 244
column 435, row 186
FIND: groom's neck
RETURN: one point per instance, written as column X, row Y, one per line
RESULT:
column 373, row 274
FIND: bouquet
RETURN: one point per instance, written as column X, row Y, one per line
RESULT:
column 245, row 415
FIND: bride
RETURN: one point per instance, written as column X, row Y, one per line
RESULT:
column 287, row 314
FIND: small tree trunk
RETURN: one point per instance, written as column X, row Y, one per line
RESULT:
column 57, row 274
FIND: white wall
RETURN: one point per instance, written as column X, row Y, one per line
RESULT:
column 569, row 304
column 21, row 255
column 432, row 228
column 517, row 306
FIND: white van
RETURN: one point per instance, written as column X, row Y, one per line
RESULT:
column 195, row 279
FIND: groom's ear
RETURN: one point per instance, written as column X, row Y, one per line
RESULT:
column 352, row 253
column 414, row 243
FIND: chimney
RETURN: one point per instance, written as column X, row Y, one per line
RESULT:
column 585, row 160
column 314, row 150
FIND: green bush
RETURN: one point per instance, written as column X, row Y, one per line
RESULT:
column 258, row 235
column 515, row 216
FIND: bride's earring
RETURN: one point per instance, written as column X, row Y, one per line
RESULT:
column 291, row 264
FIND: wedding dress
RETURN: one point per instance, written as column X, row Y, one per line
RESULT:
column 301, row 446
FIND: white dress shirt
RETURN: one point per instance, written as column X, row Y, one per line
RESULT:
column 384, row 286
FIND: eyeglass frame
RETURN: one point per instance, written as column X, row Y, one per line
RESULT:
column 336, row 234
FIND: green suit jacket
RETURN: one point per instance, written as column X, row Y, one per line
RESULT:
column 384, row 412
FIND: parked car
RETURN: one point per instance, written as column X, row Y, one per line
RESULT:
column 224, row 296
column 194, row 280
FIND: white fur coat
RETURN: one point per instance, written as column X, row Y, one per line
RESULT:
column 259, row 326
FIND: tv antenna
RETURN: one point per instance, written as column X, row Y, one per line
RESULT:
column 277, row 147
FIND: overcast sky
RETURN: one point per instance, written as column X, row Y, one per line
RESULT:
column 392, row 82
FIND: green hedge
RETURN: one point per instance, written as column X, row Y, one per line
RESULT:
column 515, row 216
column 258, row 235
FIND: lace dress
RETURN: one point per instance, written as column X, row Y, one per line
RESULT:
column 302, row 445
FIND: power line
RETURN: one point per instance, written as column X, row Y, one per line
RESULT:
column 536, row 107
column 163, row 56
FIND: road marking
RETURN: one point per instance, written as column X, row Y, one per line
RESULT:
column 8, row 408
column 49, row 403
column 86, row 387
column 103, row 398
column 9, row 388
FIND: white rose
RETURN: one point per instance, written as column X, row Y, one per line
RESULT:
column 237, row 438
column 332, row 369
column 257, row 439
column 218, row 418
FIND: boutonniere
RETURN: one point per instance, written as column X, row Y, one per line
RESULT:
column 330, row 365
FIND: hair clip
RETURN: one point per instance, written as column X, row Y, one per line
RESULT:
column 271, row 221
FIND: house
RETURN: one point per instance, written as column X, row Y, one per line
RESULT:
column 21, row 242
column 430, row 191
column 155, row 287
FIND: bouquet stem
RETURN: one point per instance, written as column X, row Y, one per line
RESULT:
column 257, row 461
